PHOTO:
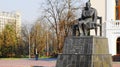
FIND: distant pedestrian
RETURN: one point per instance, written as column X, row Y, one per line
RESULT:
column 36, row 56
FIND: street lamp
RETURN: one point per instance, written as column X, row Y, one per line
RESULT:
column 29, row 44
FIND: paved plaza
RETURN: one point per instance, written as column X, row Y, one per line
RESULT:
column 34, row 63
column 26, row 63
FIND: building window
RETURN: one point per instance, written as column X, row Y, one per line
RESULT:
column 117, row 9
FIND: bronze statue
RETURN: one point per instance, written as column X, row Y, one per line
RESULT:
column 87, row 21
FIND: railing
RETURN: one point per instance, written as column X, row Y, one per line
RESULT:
column 113, row 24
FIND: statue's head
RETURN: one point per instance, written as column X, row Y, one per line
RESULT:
column 88, row 5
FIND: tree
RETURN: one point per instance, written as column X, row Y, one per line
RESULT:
column 37, row 36
column 60, row 15
column 9, row 40
column 23, row 48
column 38, row 33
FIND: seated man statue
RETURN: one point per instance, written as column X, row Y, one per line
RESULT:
column 88, row 20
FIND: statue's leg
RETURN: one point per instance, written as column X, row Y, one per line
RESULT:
column 83, row 28
column 79, row 30
column 88, row 32
column 73, row 30
column 85, row 32
column 96, row 31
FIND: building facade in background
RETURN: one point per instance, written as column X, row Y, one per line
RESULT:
column 13, row 18
column 109, row 10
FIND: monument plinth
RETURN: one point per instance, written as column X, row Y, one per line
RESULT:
column 85, row 51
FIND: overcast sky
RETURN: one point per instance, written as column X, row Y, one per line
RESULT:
column 29, row 9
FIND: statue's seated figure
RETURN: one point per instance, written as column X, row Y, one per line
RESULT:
column 87, row 21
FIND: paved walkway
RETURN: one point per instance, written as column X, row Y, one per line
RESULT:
column 31, row 63
column 116, row 64
column 26, row 63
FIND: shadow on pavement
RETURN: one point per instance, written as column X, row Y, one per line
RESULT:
column 44, row 59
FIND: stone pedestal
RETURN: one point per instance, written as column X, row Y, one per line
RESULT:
column 85, row 51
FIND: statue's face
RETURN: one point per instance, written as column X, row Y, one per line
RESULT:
column 88, row 5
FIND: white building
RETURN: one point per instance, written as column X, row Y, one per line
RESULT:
column 109, row 10
column 10, row 18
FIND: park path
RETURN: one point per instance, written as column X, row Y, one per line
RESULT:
column 26, row 63
column 116, row 64
column 30, row 63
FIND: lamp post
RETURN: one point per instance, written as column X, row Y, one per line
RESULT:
column 47, row 45
column 29, row 44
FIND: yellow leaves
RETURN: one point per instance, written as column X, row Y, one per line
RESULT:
column 8, row 36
